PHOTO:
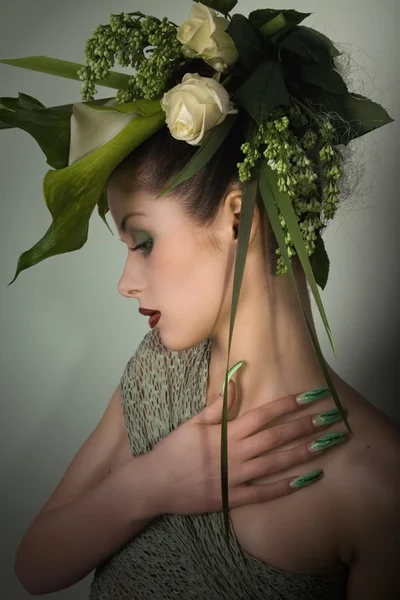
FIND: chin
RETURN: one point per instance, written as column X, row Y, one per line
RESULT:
column 176, row 344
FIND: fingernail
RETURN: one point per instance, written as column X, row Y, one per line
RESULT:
column 306, row 479
column 329, row 417
column 313, row 396
column 326, row 441
column 231, row 372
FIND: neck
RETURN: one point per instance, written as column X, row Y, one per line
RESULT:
column 271, row 337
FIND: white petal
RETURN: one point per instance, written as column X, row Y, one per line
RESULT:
column 201, row 38
column 200, row 91
column 221, row 23
column 187, row 29
column 213, row 116
column 92, row 128
column 200, row 11
column 197, row 140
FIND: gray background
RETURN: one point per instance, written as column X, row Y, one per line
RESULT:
column 66, row 332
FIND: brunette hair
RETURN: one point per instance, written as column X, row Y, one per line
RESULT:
column 158, row 160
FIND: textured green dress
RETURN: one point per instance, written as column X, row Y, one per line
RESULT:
column 183, row 557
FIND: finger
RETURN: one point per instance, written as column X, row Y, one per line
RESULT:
column 268, row 439
column 253, row 494
column 276, row 462
column 254, row 420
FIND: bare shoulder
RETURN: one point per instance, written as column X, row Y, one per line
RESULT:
column 375, row 441
column 365, row 477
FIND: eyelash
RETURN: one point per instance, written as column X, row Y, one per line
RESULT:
column 144, row 248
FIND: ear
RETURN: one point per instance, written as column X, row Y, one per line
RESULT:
column 233, row 206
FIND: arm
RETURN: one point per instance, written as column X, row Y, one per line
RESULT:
column 374, row 572
column 65, row 544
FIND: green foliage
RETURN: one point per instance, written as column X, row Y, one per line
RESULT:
column 282, row 200
column 275, row 24
column 273, row 199
column 352, row 115
column 140, row 41
column 205, row 152
column 248, row 42
column 222, row 6
column 310, row 45
column 264, row 90
column 64, row 68
column 262, row 16
column 72, row 193
column 50, row 127
column 324, row 77
column 246, row 218
column 102, row 207
column 320, row 263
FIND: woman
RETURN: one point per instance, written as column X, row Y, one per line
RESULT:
column 144, row 527
column 184, row 270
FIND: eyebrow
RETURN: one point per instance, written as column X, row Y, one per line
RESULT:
column 126, row 217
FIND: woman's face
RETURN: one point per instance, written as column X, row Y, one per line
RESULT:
column 177, row 269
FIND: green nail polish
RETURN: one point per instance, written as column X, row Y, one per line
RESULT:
column 326, row 441
column 231, row 372
column 329, row 417
column 306, row 479
column 313, row 396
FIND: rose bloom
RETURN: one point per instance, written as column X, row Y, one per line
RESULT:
column 204, row 35
column 195, row 106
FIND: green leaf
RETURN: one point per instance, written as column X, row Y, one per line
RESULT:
column 314, row 34
column 320, row 263
column 264, row 15
column 137, row 13
column 368, row 114
column 50, row 127
column 277, row 25
column 222, row 6
column 285, row 205
column 64, row 68
column 246, row 218
column 310, row 45
column 352, row 115
column 248, row 42
column 102, row 207
column 203, row 154
column 264, row 90
column 71, row 193
column 4, row 125
column 270, row 195
column 324, row 77
column 231, row 372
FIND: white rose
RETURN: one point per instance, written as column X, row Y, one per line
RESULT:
column 204, row 35
column 195, row 106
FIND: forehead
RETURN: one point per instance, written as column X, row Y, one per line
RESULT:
column 157, row 210
column 119, row 198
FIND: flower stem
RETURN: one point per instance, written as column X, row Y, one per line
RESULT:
column 307, row 110
column 226, row 81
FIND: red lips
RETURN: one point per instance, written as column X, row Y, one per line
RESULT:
column 147, row 312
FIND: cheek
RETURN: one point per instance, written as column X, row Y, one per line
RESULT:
column 189, row 278
column 198, row 286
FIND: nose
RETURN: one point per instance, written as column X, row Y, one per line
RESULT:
column 126, row 287
column 124, row 291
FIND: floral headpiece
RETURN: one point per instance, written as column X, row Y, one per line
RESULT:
column 279, row 75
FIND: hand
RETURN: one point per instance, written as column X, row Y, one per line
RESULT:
column 187, row 462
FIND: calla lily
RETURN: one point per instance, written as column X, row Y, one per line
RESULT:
column 71, row 193
column 91, row 129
